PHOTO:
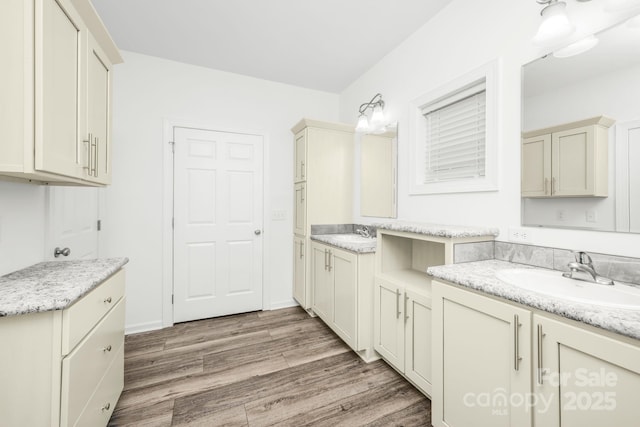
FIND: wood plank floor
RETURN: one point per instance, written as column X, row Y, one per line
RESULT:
column 267, row 368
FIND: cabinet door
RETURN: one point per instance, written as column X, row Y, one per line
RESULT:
column 536, row 166
column 301, row 157
column 322, row 282
column 389, row 323
column 59, row 42
column 573, row 162
column 300, row 209
column 299, row 270
column 417, row 364
column 481, row 351
column 345, row 295
column 584, row 379
column 97, row 163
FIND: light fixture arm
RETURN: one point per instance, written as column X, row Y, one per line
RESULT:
column 375, row 101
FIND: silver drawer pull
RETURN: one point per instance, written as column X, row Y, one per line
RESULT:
column 108, row 300
column 107, row 348
column 106, row 406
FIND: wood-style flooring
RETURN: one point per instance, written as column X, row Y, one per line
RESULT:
column 267, row 368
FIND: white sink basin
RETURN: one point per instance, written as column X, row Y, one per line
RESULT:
column 352, row 238
column 553, row 284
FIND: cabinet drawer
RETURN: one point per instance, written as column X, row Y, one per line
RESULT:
column 85, row 313
column 83, row 369
column 103, row 402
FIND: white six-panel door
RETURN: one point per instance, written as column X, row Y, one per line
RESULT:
column 218, row 212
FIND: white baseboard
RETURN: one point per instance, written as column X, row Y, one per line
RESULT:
column 283, row 304
column 142, row 327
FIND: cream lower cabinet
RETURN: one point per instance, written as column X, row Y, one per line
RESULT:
column 65, row 368
column 402, row 330
column 342, row 283
column 582, row 378
column 481, row 360
column 299, row 267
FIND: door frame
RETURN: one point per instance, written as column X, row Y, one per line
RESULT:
column 167, row 207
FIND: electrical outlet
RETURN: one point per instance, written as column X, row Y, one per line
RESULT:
column 561, row 214
column 278, row 215
column 519, row 235
column 591, row 216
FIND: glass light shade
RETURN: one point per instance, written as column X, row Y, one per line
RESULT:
column 577, row 48
column 363, row 123
column 555, row 24
column 377, row 118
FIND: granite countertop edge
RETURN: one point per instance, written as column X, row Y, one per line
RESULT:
column 439, row 230
column 481, row 276
column 53, row 285
column 359, row 248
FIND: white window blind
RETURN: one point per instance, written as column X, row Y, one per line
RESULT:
column 455, row 136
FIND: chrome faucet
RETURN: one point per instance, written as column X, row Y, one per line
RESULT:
column 364, row 231
column 582, row 269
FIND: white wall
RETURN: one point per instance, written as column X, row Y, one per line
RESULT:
column 148, row 90
column 22, row 225
column 462, row 37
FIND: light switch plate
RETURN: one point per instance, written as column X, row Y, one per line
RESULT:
column 279, row 215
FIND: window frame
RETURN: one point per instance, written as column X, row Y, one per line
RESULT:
column 488, row 74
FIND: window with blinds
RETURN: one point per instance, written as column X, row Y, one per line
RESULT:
column 455, row 146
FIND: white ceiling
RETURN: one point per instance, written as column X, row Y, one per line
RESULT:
column 318, row 44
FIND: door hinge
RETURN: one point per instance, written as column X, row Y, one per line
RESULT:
column 173, row 146
column 99, row 225
column 171, row 298
column 173, row 223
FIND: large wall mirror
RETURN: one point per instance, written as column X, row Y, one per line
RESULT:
column 378, row 173
column 604, row 81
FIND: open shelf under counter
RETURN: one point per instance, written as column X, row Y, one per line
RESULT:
column 414, row 279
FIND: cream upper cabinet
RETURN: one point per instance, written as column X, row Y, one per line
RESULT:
column 55, row 92
column 567, row 161
column 300, row 156
column 481, row 358
column 98, row 133
column 323, row 184
column 583, row 378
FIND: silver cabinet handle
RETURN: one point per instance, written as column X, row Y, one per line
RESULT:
column 397, row 303
column 64, row 252
column 301, row 194
column 330, row 255
column 540, row 336
column 106, row 406
column 302, row 169
column 516, row 343
column 406, row 312
column 88, row 142
column 107, row 348
column 326, row 263
column 95, row 170
column 94, row 150
column 554, row 186
column 301, row 253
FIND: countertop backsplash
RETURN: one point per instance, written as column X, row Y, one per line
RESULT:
column 623, row 269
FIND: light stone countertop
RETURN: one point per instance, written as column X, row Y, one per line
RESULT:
column 350, row 242
column 439, row 230
column 481, row 276
column 53, row 285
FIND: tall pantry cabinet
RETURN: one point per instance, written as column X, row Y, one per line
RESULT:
column 323, row 190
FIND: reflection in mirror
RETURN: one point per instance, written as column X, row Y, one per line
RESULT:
column 378, row 173
column 604, row 81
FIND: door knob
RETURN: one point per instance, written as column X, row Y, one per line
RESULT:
column 64, row 252
column 257, row 232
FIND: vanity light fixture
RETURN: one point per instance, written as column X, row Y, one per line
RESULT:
column 577, row 48
column 377, row 117
column 555, row 23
